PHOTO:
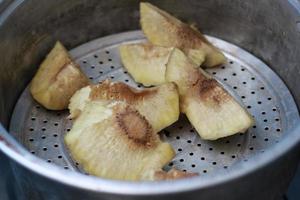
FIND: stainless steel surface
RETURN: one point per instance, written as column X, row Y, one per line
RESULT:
column 246, row 77
column 268, row 29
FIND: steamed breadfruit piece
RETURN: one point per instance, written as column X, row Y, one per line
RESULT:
column 57, row 79
column 212, row 111
column 145, row 62
column 160, row 105
column 163, row 29
column 113, row 140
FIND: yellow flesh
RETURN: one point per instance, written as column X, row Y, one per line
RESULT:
column 57, row 79
column 145, row 62
column 103, row 148
column 163, row 29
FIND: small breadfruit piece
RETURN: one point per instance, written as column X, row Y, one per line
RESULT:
column 163, row 29
column 57, row 79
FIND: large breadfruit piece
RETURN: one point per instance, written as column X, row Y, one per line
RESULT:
column 113, row 140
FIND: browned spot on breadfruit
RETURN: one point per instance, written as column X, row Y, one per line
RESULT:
column 207, row 85
column 189, row 37
column 173, row 174
column 119, row 91
column 210, row 90
column 136, row 127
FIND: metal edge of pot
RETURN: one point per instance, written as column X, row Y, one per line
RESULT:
column 20, row 155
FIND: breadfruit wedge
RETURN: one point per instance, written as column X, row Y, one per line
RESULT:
column 145, row 62
column 113, row 140
column 57, row 79
column 163, row 29
column 211, row 110
column 160, row 105
column 173, row 174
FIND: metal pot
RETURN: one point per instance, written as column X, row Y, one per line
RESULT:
column 269, row 29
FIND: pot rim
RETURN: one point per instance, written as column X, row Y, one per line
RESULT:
column 20, row 155
column 35, row 164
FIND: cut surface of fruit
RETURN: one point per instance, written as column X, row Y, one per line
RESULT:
column 160, row 105
column 57, row 79
column 113, row 140
column 163, row 29
column 212, row 111
column 145, row 62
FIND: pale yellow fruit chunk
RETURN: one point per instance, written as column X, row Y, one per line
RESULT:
column 57, row 79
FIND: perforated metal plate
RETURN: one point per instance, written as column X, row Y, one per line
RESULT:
column 244, row 76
